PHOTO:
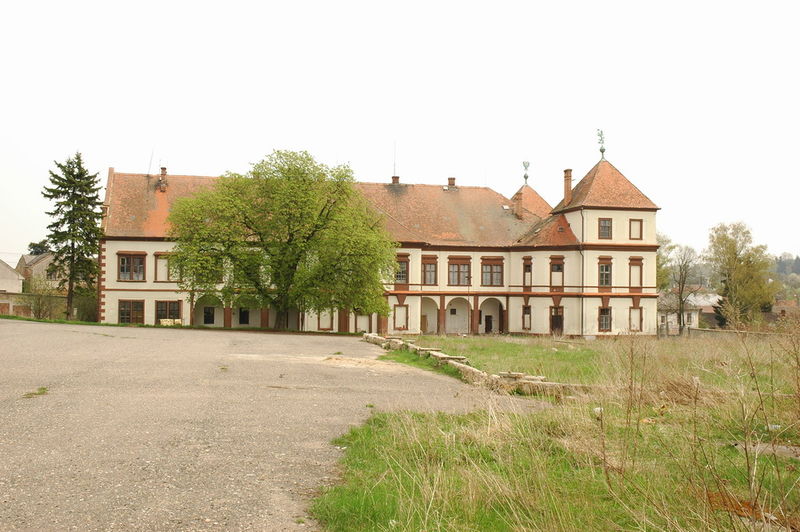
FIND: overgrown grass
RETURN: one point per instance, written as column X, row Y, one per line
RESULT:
column 412, row 359
column 679, row 434
column 561, row 362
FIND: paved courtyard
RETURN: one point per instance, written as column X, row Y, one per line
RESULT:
column 169, row 429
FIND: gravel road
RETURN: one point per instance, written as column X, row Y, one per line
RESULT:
column 169, row 429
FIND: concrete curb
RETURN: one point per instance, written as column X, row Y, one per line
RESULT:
column 506, row 382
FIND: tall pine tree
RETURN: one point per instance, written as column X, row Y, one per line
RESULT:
column 75, row 231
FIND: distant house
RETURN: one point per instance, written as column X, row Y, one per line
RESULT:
column 785, row 308
column 699, row 307
column 10, row 288
column 30, row 266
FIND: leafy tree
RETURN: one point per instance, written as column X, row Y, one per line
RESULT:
column 742, row 271
column 663, row 274
column 291, row 233
column 684, row 265
column 39, row 248
column 75, row 231
column 43, row 299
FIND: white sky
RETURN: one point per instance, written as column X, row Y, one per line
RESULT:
column 700, row 101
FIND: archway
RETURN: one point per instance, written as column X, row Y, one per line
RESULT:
column 246, row 311
column 457, row 316
column 491, row 317
column 429, row 316
column 208, row 311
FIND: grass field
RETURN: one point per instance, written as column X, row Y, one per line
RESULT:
column 684, row 434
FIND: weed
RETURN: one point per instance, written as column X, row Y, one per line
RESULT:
column 41, row 390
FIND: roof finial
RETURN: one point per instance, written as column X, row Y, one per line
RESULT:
column 601, row 139
column 525, row 165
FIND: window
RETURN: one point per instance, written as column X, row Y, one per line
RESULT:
column 325, row 321
column 51, row 275
column 453, row 311
column 635, row 319
column 635, row 268
column 458, row 271
column 635, row 229
column 526, row 317
column 604, row 228
column 604, row 320
column 492, row 272
column 131, row 267
column 164, row 270
column 400, row 317
column 429, row 269
column 688, row 319
column 663, row 319
column 429, row 273
column 604, row 274
column 244, row 316
column 208, row 315
column 401, row 277
column 556, row 272
column 527, row 271
column 168, row 310
column 131, row 311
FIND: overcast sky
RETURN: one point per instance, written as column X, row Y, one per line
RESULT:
column 699, row 100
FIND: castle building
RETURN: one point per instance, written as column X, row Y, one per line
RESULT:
column 470, row 261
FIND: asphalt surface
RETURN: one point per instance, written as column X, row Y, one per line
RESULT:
column 169, row 429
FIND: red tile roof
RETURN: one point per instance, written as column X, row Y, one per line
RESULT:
column 430, row 214
column 137, row 209
column 463, row 216
column 552, row 231
column 605, row 187
column 532, row 201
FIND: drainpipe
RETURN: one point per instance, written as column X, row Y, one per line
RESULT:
column 583, row 267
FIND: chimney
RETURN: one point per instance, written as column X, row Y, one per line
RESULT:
column 395, row 179
column 162, row 179
column 516, row 205
column 451, row 181
column 567, row 186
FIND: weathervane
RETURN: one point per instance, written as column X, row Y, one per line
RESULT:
column 525, row 165
column 601, row 139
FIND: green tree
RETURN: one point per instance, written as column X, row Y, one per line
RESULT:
column 39, row 248
column 44, row 300
column 742, row 271
column 75, row 230
column 663, row 272
column 291, row 233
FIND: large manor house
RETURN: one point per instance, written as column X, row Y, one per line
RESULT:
column 470, row 261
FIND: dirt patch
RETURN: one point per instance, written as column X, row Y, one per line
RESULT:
column 349, row 362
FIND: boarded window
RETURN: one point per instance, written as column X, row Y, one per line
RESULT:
column 526, row 317
column 401, row 317
column 636, row 229
column 636, row 319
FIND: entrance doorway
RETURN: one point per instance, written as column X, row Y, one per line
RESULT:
column 487, row 320
column 557, row 321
